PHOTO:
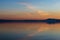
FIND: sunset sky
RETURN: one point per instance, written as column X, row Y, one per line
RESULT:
column 29, row 9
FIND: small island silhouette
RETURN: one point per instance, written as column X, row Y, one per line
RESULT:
column 49, row 20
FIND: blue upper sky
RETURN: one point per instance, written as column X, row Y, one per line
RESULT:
column 47, row 5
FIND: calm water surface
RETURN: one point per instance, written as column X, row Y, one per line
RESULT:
column 29, row 31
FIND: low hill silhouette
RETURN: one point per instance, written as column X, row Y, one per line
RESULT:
column 49, row 20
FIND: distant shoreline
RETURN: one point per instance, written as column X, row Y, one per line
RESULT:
column 47, row 21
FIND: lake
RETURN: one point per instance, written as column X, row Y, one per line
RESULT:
column 29, row 31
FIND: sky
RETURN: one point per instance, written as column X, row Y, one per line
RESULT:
column 29, row 9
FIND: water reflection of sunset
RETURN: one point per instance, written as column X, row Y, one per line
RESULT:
column 30, row 29
column 38, row 27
